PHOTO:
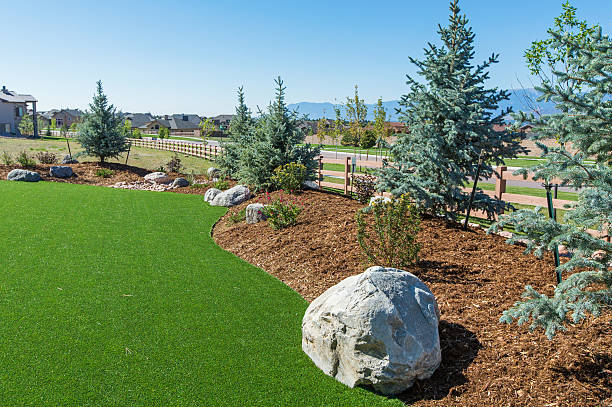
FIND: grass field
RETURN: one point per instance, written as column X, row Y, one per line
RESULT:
column 139, row 157
column 130, row 302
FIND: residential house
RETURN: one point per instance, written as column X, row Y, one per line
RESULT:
column 62, row 117
column 177, row 124
column 13, row 106
column 222, row 121
column 138, row 120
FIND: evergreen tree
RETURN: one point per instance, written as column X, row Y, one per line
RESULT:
column 240, row 135
column 101, row 133
column 450, row 116
column 277, row 140
column 26, row 125
column 582, row 94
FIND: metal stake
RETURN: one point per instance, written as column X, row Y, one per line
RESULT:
column 553, row 215
column 469, row 209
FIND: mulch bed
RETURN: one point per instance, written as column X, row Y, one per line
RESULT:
column 85, row 173
column 474, row 277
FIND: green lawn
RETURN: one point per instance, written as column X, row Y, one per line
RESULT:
column 130, row 302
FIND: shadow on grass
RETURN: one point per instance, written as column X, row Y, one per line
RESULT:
column 460, row 347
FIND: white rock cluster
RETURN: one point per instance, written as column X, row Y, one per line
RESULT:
column 142, row 186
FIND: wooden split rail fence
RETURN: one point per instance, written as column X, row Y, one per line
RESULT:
column 211, row 152
column 194, row 149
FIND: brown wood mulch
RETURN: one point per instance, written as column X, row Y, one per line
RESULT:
column 474, row 277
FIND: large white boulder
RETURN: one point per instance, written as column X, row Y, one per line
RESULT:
column 210, row 194
column 377, row 329
column 23, row 175
column 231, row 197
column 158, row 178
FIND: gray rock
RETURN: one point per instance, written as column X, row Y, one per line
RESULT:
column 213, row 172
column 180, row 183
column 233, row 196
column 211, row 194
column 254, row 213
column 23, row 175
column 378, row 329
column 60, row 171
column 158, row 178
column 68, row 159
column 311, row 185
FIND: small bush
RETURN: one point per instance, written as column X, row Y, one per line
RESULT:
column 237, row 217
column 6, row 158
column 104, row 173
column 221, row 184
column 364, row 187
column 281, row 213
column 197, row 186
column 347, row 140
column 368, row 140
column 387, row 232
column 161, row 168
column 164, row 133
column 174, row 165
column 25, row 160
column 46, row 158
column 137, row 133
column 289, row 177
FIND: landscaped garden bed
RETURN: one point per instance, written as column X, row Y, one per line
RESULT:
column 474, row 276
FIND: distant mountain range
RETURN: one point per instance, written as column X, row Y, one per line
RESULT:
column 518, row 100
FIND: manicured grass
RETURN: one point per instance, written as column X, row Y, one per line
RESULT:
column 119, row 297
column 140, row 157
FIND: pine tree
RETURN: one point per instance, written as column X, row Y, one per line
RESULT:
column 240, row 135
column 101, row 133
column 450, row 116
column 581, row 92
column 277, row 140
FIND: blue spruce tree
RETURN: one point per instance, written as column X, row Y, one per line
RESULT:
column 101, row 134
column 451, row 119
column 240, row 135
column 275, row 140
column 582, row 92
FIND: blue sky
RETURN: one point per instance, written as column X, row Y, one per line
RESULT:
column 190, row 56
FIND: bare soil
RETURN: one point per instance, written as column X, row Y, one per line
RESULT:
column 474, row 277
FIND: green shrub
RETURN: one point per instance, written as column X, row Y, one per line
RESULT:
column 221, row 184
column 364, row 187
column 347, row 140
column 368, row 140
column 104, row 173
column 164, row 133
column 25, row 160
column 388, row 233
column 6, row 158
column 174, row 165
column 137, row 133
column 289, row 177
column 237, row 217
column 46, row 158
column 197, row 186
column 281, row 213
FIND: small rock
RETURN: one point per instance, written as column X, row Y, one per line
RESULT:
column 210, row 194
column 68, row 159
column 158, row 178
column 180, row 183
column 60, row 171
column 23, row 175
column 233, row 196
column 254, row 213
column 213, row 172
column 311, row 185
column 505, row 234
column 378, row 329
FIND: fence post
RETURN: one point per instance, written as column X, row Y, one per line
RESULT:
column 215, row 151
column 347, row 164
column 500, row 183
column 320, row 177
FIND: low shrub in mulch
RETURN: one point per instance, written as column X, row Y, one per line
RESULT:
column 475, row 277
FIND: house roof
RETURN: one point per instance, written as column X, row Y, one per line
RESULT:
column 139, row 119
column 184, row 121
column 14, row 97
column 161, row 122
column 223, row 117
column 73, row 112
